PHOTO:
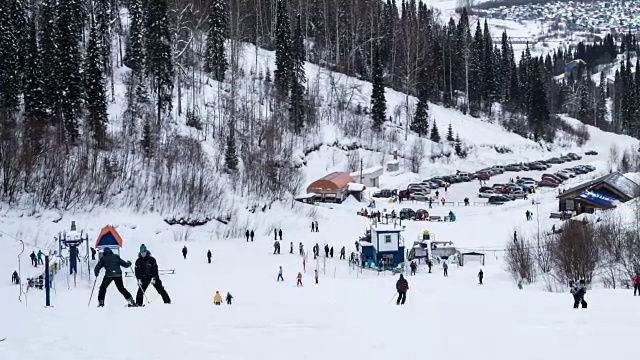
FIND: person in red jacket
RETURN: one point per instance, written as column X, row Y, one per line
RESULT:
column 636, row 284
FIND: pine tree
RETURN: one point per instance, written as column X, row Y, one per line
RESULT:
column 95, row 97
column 435, row 134
column 450, row 137
column 230, row 155
column 297, row 81
column 476, row 81
column 420, row 123
column 282, row 73
column 159, row 64
column 378, row 100
column 215, row 58
column 34, row 106
column 49, row 57
column 102, row 14
column 12, row 44
column 134, row 55
column 458, row 146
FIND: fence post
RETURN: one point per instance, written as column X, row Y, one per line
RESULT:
column 47, row 282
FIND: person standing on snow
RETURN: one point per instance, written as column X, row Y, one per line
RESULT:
column 34, row 259
column 209, row 256
column 275, row 234
column 445, row 266
column 299, row 279
column 578, row 290
column 252, row 234
column 342, row 253
column 317, row 228
column 93, row 254
column 40, row 256
column 184, row 252
column 413, row 267
column 291, row 248
column 15, row 279
column 280, row 278
column 280, row 234
column 636, row 284
column 217, row 298
column 301, row 247
column 480, row 277
column 331, row 252
column 316, row 275
column 111, row 264
column 229, row 298
column 430, row 264
column 401, row 287
column 326, row 250
column 313, row 226
column 246, row 234
column 146, row 270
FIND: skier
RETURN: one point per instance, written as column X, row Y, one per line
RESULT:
column 217, row 298
column 430, row 264
column 209, row 256
column 280, row 234
column 111, row 264
column 275, row 234
column 578, row 290
column 326, row 250
column 280, row 278
column 275, row 247
column 430, row 203
column 301, row 247
column 40, row 255
column 342, row 253
column 291, row 248
column 313, row 226
column 413, row 267
column 252, row 234
column 445, row 266
column 246, row 234
column 528, row 215
column 515, row 237
column 93, row 254
column 15, row 279
column 480, row 276
column 316, row 275
column 402, row 286
column 437, row 194
column 317, row 228
column 34, row 259
column 229, row 298
column 299, row 283
column 636, row 284
column 331, row 252
column 146, row 270
column 184, row 252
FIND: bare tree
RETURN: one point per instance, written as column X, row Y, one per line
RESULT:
column 520, row 261
column 575, row 252
column 543, row 252
column 613, row 160
column 416, row 155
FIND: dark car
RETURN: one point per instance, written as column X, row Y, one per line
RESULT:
column 556, row 160
column 590, row 167
column 591, row 152
column 562, row 176
column 574, row 156
column 482, row 176
column 550, row 179
column 498, row 200
column 485, row 188
column 553, row 176
column 407, row 213
column 437, row 180
column 383, row 194
column 535, row 166
column 513, row 167
column 545, row 183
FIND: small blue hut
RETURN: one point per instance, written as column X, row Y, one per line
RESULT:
column 386, row 246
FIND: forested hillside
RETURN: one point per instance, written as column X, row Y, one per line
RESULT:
column 152, row 103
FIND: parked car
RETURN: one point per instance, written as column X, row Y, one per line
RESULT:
column 519, row 194
column 550, row 179
column 590, row 167
column 537, row 166
column 385, row 193
column 487, row 193
column 591, row 152
column 498, row 200
column 574, row 156
column 546, row 183
column 422, row 214
column 499, row 167
column 513, row 167
column 420, row 196
column 553, row 176
column 407, row 213
column 482, row 176
column 566, row 158
column 556, row 160
column 566, row 173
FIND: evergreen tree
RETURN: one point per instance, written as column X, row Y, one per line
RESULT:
column 95, row 97
column 102, row 14
column 538, row 114
column 159, row 65
column 420, row 123
column 378, row 100
column 297, row 81
column 147, row 139
column 215, row 58
column 10, row 75
column 476, row 81
column 282, row 73
column 230, row 155
column 34, row 106
column 435, row 134
column 458, row 146
column 49, row 57
column 134, row 55
column 450, row 137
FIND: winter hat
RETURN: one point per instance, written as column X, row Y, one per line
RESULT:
column 143, row 248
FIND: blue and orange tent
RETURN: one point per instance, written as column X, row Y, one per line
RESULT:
column 109, row 237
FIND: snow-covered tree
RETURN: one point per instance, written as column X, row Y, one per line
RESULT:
column 215, row 57
column 159, row 64
column 95, row 97
column 284, row 61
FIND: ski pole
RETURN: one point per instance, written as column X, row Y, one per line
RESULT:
column 144, row 293
column 92, row 289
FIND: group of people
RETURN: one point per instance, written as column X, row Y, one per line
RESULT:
column 529, row 215
column 217, row 298
column 37, row 259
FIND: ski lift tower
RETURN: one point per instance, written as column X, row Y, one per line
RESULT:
column 72, row 240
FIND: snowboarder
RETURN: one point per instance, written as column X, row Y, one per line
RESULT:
column 430, row 264
column 229, row 298
column 275, row 234
column 578, row 290
column 299, row 283
column 291, row 248
column 316, row 275
column 209, row 256
column 15, row 279
column 313, row 227
column 34, row 259
column 184, row 252
column 217, row 298
column 280, row 234
column 246, row 234
column 111, row 264
column 146, row 270
column 301, row 247
column 40, row 256
column 342, row 253
column 252, row 234
column 636, row 284
column 480, row 276
column 280, row 278
column 93, row 254
column 445, row 266
column 402, row 286
column 413, row 267
column 331, row 252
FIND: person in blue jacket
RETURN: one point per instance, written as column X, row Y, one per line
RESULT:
column 111, row 264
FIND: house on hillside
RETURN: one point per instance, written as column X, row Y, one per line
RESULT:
column 387, row 245
column 369, row 177
column 601, row 193
column 331, row 188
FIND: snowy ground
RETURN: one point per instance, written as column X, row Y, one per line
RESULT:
column 349, row 314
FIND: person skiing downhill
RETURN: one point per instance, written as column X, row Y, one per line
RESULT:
column 146, row 270
column 209, row 256
column 402, row 286
column 184, row 252
column 636, row 284
column 111, row 264
column 93, row 254
column 299, row 283
column 280, row 278
column 480, row 276
column 342, row 253
column 301, row 247
column 430, row 265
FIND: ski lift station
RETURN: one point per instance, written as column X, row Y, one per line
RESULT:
column 387, row 245
column 428, row 248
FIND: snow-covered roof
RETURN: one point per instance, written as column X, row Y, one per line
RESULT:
column 356, row 187
column 372, row 171
column 387, row 227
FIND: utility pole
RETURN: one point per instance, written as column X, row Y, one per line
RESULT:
column 361, row 165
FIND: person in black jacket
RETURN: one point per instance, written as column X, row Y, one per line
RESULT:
column 184, row 252
column 111, row 264
column 147, row 274
column 402, row 286
column 209, row 256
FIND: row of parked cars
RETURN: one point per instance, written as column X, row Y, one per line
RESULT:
column 555, row 179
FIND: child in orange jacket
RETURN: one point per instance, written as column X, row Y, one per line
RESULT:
column 217, row 298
